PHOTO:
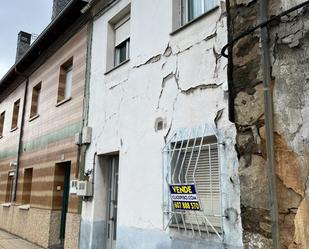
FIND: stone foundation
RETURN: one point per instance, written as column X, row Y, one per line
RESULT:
column 40, row 226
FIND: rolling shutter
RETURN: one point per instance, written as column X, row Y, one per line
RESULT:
column 202, row 169
column 122, row 31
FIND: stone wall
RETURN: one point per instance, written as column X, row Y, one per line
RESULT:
column 32, row 224
column 290, row 77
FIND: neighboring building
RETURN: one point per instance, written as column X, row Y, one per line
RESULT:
column 289, row 51
column 41, row 106
column 159, row 116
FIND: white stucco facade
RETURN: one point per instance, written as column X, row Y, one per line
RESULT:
column 178, row 77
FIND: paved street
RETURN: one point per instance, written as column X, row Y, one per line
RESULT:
column 9, row 241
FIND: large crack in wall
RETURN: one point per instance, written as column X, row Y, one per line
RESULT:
column 290, row 74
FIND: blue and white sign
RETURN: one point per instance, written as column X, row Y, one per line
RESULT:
column 184, row 197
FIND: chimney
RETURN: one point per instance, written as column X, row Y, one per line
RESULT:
column 58, row 6
column 23, row 44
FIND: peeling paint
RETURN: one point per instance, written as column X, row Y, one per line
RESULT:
column 218, row 116
column 153, row 59
column 180, row 80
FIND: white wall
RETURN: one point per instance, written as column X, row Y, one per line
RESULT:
column 186, row 88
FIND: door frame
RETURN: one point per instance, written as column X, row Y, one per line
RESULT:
column 65, row 197
column 112, row 201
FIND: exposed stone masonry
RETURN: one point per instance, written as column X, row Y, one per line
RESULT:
column 290, row 73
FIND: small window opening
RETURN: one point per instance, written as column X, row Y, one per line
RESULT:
column 26, row 196
column 15, row 114
column 2, row 118
column 65, row 81
column 159, row 124
column 35, row 103
column 9, row 188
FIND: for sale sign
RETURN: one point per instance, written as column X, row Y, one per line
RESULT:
column 184, row 197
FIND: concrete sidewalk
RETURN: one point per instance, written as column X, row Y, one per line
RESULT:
column 9, row 241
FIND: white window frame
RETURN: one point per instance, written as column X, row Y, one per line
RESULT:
column 117, row 52
column 183, row 6
column 122, row 22
column 188, row 141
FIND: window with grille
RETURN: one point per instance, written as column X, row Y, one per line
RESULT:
column 196, row 161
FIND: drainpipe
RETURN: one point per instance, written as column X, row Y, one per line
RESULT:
column 268, row 109
column 84, row 147
column 230, row 65
column 19, row 150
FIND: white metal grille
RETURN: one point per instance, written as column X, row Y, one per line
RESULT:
column 193, row 158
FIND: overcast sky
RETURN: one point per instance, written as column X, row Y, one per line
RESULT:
column 31, row 16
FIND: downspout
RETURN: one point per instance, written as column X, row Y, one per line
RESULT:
column 268, row 110
column 230, row 64
column 20, row 144
column 83, row 147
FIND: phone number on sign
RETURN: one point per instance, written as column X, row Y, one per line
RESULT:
column 185, row 205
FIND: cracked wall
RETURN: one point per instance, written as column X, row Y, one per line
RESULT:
column 290, row 74
column 179, row 79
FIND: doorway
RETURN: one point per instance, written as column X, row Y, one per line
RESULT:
column 112, row 200
column 61, row 201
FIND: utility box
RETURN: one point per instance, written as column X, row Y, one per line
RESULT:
column 78, row 138
column 84, row 189
column 73, row 187
column 86, row 137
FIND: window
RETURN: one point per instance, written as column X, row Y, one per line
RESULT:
column 35, row 102
column 122, row 52
column 122, row 41
column 192, row 9
column 118, row 39
column 27, row 186
column 196, row 162
column 2, row 118
column 65, row 81
column 15, row 114
column 9, row 187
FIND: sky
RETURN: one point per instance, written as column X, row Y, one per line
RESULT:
column 31, row 16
